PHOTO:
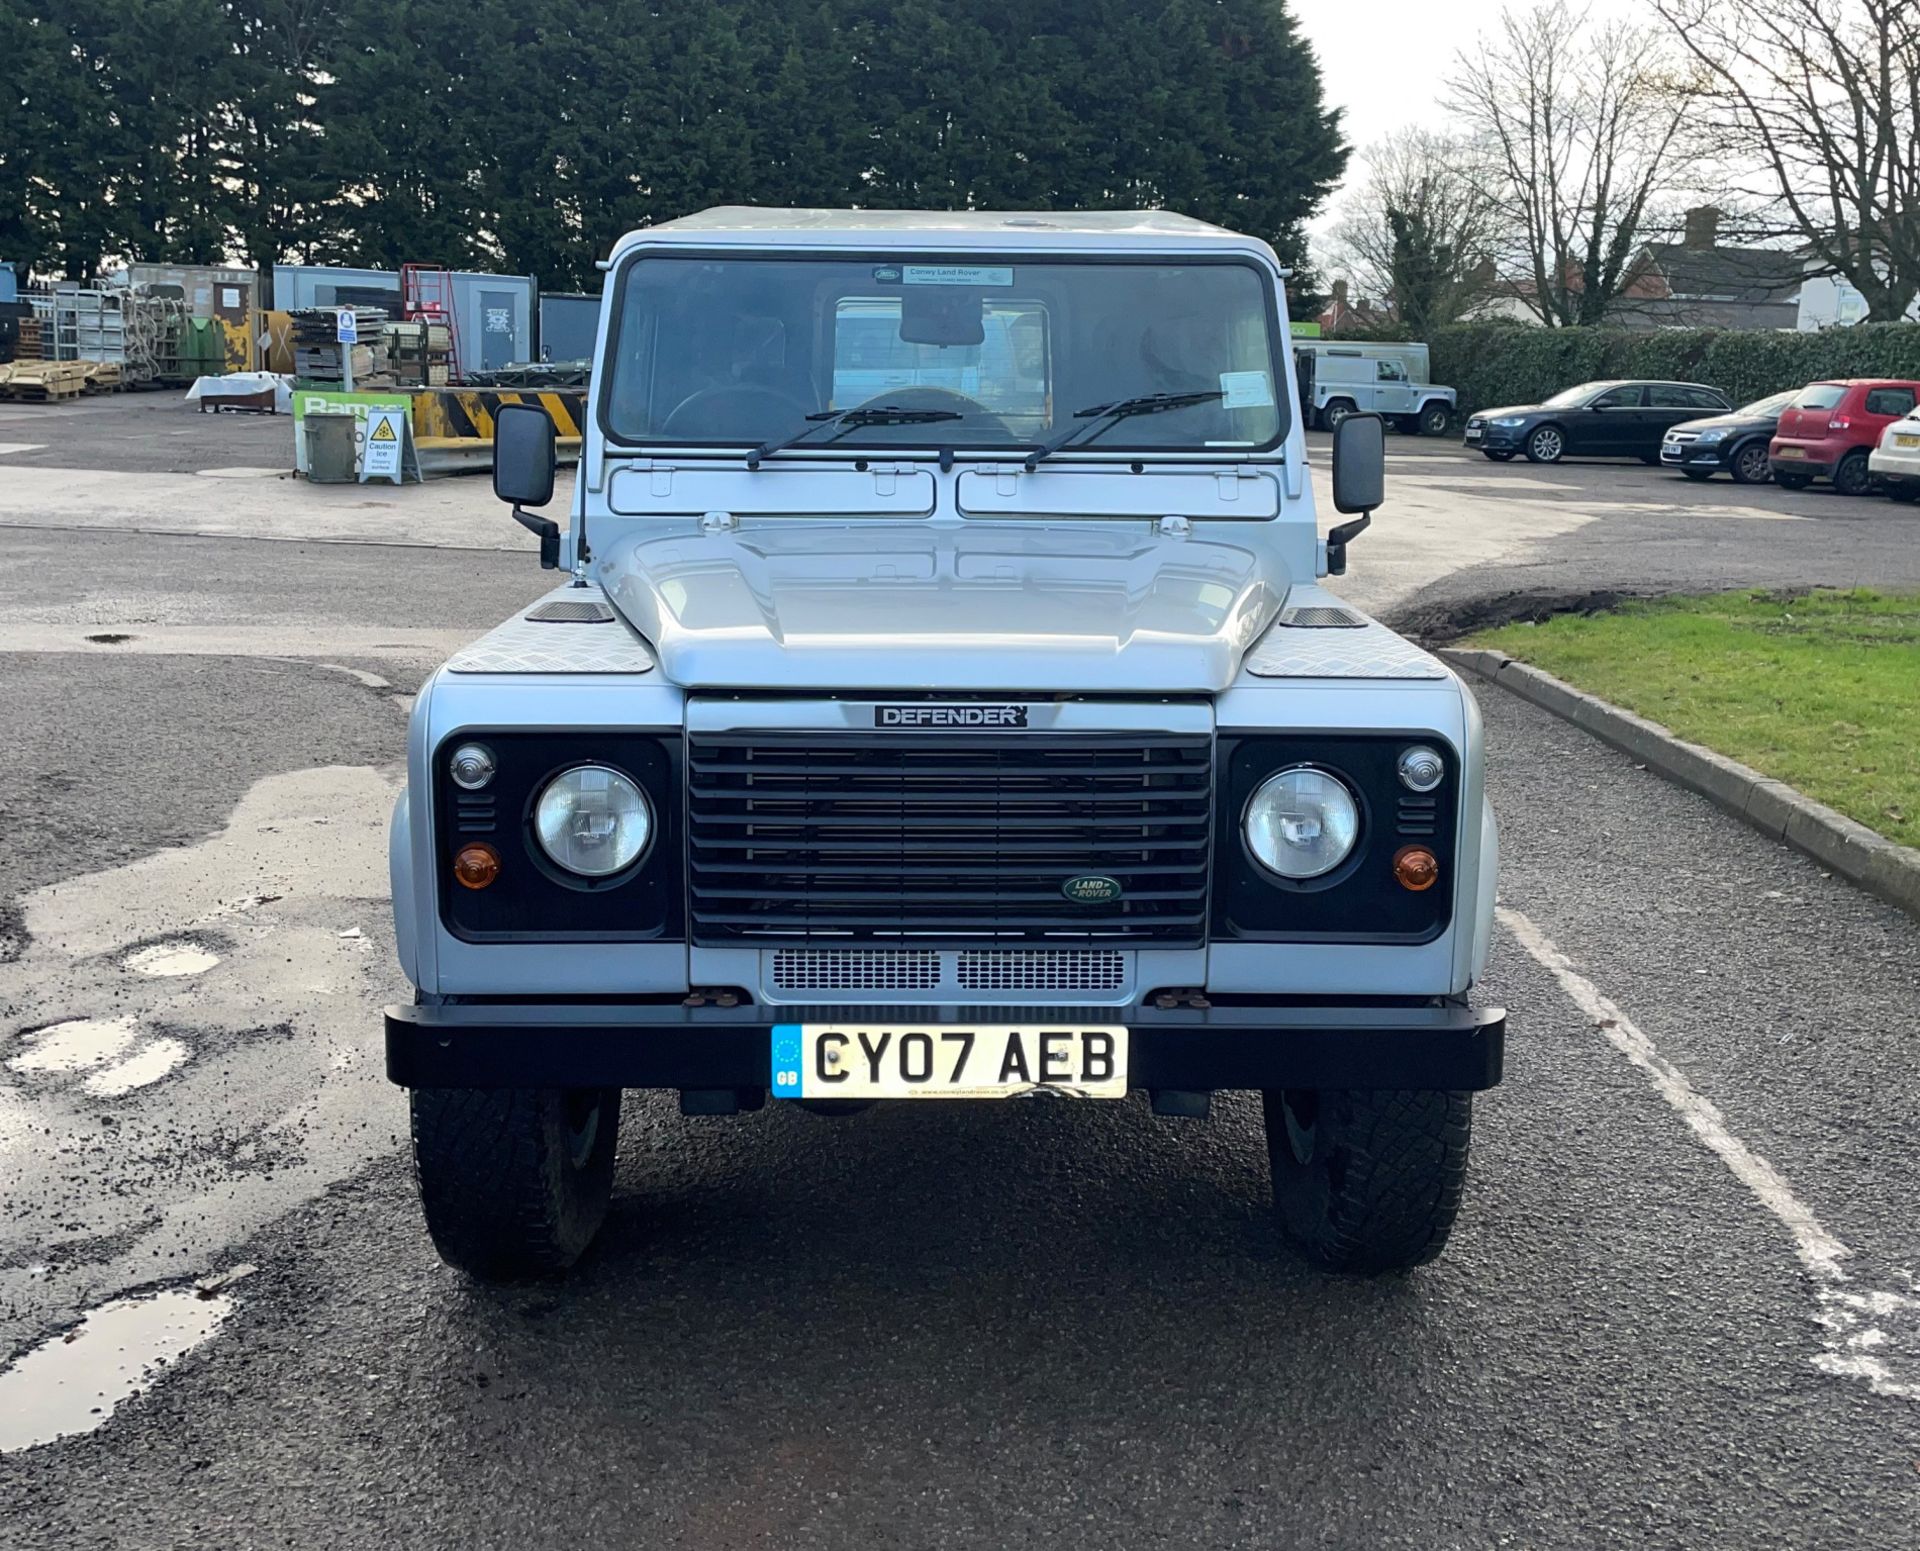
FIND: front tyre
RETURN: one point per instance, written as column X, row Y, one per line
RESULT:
column 514, row 1182
column 1546, row 445
column 1750, row 466
column 1368, row 1180
column 1434, row 419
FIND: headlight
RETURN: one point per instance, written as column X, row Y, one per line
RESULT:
column 1302, row 822
column 1711, row 436
column 593, row 821
column 1510, row 421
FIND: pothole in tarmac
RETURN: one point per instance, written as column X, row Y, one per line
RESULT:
column 71, row 1383
column 183, row 956
column 75, row 1045
column 105, row 1049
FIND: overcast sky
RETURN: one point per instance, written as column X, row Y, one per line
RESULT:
column 1386, row 61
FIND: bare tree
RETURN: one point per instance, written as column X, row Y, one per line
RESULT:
column 1823, row 96
column 1576, row 122
column 1419, row 229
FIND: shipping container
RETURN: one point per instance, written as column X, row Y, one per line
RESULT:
column 492, row 314
column 569, row 325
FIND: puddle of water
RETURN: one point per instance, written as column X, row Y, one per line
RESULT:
column 72, row 1383
column 148, row 1065
column 172, row 958
column 76, row 1045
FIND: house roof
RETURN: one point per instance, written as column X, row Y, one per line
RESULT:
column 1728, row 274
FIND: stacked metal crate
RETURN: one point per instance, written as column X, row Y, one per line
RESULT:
column 421, row 353
column 318, row 356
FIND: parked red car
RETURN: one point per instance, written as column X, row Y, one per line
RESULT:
column 1830, row 429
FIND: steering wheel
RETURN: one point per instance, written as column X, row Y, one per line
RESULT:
column 942, row 398
column 764, row 411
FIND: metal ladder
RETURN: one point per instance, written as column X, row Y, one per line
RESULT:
column 426, row 296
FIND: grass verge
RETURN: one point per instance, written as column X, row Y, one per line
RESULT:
column 1820, row 690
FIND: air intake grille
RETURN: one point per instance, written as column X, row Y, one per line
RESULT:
column 955, row 840
column 856, row 969
column 565, row 612
column 1070, row 969
column 1317, row 616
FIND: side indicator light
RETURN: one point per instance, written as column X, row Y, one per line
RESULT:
column 1416, row 868
column 476, row 865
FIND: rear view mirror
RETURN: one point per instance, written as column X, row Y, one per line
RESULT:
column 523, row 465
column 1359, row 463
column 1359, row 481
column 942, row 315
column 523, row 454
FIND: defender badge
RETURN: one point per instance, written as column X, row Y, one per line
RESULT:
column 970, row 717
column 1092, row 888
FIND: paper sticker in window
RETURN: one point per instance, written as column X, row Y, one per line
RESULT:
column 955, row 274
column 1246, row 390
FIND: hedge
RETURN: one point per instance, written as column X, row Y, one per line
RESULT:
column 1510, row 363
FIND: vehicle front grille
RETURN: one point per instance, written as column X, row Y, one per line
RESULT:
column 925, row 840
column 822, row 970
column 1681, row 438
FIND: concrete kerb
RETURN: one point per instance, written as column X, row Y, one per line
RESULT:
column 1864, row 858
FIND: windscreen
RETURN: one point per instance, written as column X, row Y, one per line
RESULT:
column 739, row 351
column 1568, row 397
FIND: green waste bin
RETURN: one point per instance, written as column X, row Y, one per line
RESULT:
column 330, row 438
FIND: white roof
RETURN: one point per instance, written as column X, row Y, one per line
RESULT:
column 755, row 225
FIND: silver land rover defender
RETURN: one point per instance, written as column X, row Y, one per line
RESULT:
column 943, row 704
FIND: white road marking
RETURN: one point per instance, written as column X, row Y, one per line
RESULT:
column 146, row 1065
column 168, row 959
column 75, row 1045
column 1858, row 1344
column 370, row 680
column 7, row 447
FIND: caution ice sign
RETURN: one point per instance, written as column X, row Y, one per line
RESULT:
column 387, row 439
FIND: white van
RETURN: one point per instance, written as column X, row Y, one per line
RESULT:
column 1390, row 379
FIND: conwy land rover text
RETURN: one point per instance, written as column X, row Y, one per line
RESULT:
column 943, row 705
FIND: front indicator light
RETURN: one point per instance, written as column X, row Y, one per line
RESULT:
column 471, row 766
column 476, row 865
column 1302, row 823
column 1416, row 868
column 593, row 821
column 1421, row 769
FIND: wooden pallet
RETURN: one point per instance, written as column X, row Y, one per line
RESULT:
column 46, row 381
column 104, row 376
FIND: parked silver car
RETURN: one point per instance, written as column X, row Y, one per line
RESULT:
column 989, row 734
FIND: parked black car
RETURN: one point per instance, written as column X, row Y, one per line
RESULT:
column 1735, row 443
column 1594, row 420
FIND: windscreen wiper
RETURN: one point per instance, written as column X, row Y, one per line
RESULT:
column 1113, row 414
column 852, row 420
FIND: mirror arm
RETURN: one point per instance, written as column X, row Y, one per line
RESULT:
column 549, row 534
column 1338, row 538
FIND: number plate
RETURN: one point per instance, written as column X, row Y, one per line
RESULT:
column 1473, row 433
column 1906, row 441
column 1791, row 452
column 861, row 1061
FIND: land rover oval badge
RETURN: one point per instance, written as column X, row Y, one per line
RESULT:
column 1092, row 888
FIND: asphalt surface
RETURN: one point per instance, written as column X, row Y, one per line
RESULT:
column 963, row 1326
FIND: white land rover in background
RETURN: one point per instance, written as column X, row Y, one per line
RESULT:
column 943, row 705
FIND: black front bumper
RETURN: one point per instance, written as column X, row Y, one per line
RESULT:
column 655, row 1045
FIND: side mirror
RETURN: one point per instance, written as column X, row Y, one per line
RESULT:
column 523, row 466
column 1359, row 481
